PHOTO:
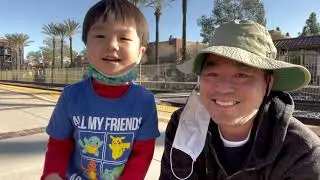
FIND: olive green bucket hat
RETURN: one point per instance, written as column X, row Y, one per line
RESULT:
column 250, row 43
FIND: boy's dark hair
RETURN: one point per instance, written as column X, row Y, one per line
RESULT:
column 119, row 10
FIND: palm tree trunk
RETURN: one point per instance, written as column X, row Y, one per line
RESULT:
column 71, row 58
column 53, row 58
column 17, row 58
column 61, row 65
column 157, row 14
column 184, row 32
column 53, row 52
column 22, row 55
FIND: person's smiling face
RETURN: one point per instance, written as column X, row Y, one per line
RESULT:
column 230, row 91
column 113, row 46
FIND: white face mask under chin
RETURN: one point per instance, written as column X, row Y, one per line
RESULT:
column 192, row 130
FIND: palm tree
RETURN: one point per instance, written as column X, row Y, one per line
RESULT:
column 72, row 28
column 62, row 33
column 51, row 31
column 17, row 42
column 140, row 3
column 22, row 40
column 184, row 31
column 158, row 5
column 13, row 43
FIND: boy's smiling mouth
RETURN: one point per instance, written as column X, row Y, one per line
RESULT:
column 111, row 59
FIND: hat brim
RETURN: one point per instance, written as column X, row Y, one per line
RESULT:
column 287, row 76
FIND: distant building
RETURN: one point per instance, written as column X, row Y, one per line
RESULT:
column 304, row 51
column 170, row 51
column 5, row 54
column 309, row 44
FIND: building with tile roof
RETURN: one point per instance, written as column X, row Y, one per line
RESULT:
column 304, row 51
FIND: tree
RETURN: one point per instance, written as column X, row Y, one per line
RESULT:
column 23, row 41
column 13, row 44
column 184, row 30
column 61, row 29
column 139, row 3
column 17, row 42
column 312, row 26
column 228, row 10
column 158, row 5
column 276, row 34
column 47, row 48
column 35, row 57
column 253, row 10
column 50, row 30
column 72, row 28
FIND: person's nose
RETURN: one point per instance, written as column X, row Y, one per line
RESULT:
column 112, row 44
column 224, row 85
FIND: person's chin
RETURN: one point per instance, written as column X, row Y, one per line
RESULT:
column 225, row 120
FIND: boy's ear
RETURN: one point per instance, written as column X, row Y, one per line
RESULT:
column 142, row 50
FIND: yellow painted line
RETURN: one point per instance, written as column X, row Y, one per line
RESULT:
column 165, row 108
column 28, row 89
column 53, row 95
column 56, row 95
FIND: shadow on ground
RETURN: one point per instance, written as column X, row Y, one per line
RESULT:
column 22, row 147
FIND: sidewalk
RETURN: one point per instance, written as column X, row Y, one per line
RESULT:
column 23, row 141
column 23, row 157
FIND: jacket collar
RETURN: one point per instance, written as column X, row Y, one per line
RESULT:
column 272, row 124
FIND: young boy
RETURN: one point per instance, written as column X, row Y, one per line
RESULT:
column 105, row 126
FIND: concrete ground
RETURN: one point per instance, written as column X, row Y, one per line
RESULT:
column 24, row 114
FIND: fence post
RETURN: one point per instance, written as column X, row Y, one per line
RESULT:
column 67, row 75
column 165, row 75
column 301, row 57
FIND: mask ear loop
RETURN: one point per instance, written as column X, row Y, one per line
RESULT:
column 173, row 171
column 171, row 166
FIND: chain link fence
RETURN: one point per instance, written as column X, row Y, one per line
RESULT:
column 158, row 77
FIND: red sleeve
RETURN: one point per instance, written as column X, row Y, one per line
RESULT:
column 140, row 158
column 57, row 157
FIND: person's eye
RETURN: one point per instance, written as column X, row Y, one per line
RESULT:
column 242, row 75
column 126, row 39
column 99, row 36
column 211, row 74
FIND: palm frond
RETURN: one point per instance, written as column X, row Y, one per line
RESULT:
column 72, row 27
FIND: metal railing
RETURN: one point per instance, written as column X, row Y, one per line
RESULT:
column 162, row 76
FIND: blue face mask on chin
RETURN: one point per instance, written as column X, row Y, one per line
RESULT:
column 129, row 76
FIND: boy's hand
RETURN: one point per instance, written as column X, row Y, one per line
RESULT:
column 53, row 176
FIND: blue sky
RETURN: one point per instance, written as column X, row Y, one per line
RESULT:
column 28, row 16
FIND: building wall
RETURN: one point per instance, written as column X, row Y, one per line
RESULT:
column 307, row 58
column 5, row 54
column 170, row 51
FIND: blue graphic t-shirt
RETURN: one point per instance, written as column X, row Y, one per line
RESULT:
column 104, row 129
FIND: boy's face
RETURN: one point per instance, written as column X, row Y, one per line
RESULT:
column 231, row 92
column 113, row 46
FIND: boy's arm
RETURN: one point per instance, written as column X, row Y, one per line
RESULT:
column 60, row 143
column 57, row 157
column 143, row 147
column 139, row 161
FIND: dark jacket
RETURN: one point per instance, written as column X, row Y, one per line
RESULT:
column 282, row 148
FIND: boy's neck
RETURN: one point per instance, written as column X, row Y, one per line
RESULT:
column 111, row 91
